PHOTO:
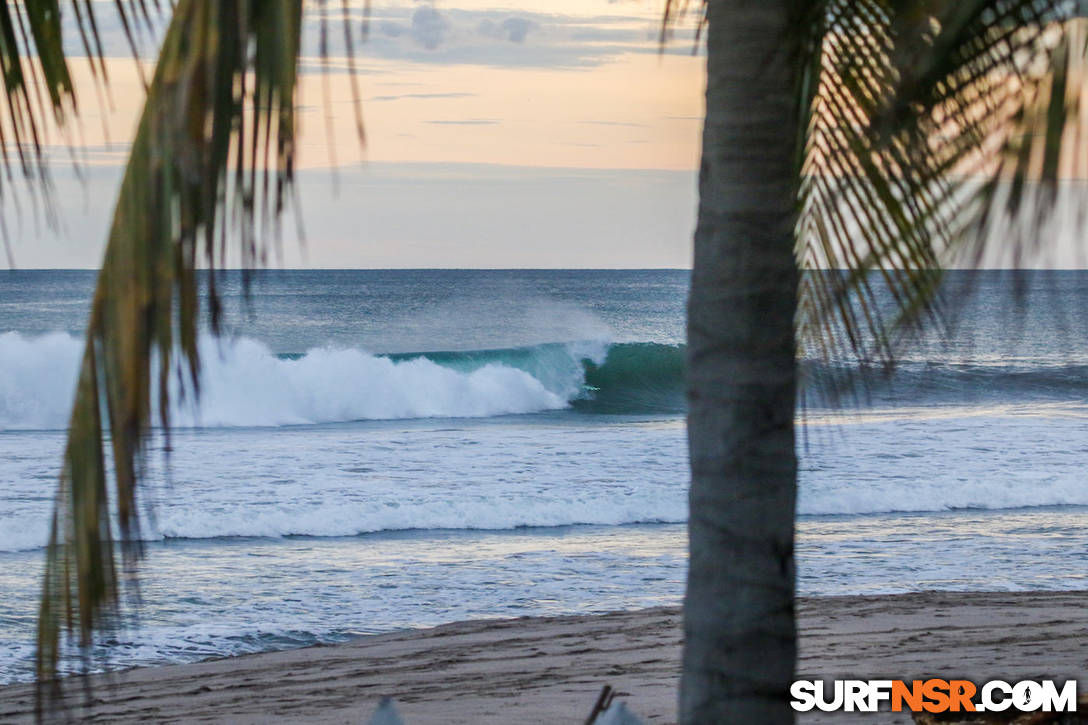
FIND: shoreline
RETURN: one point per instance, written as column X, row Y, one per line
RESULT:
column 551, row 669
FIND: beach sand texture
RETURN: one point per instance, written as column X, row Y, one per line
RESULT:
column 550, row 670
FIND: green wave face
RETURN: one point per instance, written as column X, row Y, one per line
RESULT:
column 635, row 378
column 623, row 378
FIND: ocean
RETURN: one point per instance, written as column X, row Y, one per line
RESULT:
column 380, row 450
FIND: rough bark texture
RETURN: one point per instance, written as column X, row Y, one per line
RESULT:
column 740, row 636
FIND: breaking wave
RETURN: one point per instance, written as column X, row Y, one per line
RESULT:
column 245, row 384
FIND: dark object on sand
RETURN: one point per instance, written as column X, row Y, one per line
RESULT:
column 603, row 701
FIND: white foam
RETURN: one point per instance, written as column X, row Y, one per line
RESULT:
column 349, row 480
column 37, row 380
column 343, row 481
column 245, row 384
column 1005, row 457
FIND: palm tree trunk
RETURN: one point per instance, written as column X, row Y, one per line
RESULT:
column 740, row 637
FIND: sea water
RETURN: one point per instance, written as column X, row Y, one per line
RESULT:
column 379, row 450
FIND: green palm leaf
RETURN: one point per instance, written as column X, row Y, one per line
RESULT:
column 32, row 60
column 929, row 124
column 213, row 154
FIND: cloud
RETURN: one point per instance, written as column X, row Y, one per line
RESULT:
column 317, row 65
column 390, row 29
column 418, row 96
column 424, row 33
column 446, row 35
column 429, row 28
column 513, row 29
column 517, row 28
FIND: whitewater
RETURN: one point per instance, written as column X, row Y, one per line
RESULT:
column 379, row 450
column 244, row 384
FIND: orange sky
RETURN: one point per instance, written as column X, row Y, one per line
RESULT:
column 612, row 105
column 571, row 97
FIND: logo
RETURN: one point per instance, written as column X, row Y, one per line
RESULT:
column 933, row 695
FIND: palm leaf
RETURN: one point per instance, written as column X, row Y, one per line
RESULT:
column 928, row 125
column 37, row 84
column 213, row 155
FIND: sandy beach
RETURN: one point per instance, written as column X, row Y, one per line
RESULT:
column 550, row 670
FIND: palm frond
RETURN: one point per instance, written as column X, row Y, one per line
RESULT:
column 674, row 13
column 212, row 157
column 926, row 122
column 39, row 93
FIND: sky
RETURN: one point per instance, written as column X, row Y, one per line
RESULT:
column 534, row 135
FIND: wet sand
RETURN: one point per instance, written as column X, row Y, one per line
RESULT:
column 550, row 670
